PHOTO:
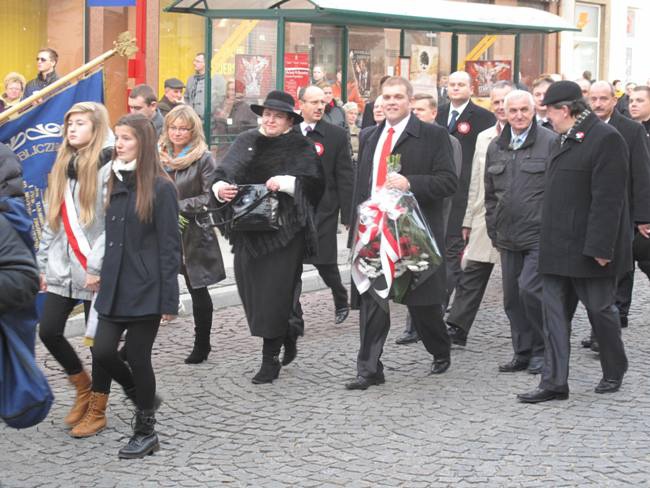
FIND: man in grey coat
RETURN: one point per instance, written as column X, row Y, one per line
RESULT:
column 515, row 169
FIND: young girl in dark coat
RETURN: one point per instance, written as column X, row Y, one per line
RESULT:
column 138, row 284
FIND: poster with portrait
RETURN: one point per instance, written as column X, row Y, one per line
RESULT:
column 424, row 69
column 296, row 73
column 254, row 72
column 486, row 73
column 360, row 61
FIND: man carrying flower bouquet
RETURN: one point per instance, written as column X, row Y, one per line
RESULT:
column 427, row 171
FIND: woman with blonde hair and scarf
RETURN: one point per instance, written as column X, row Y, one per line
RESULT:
column 187, row 158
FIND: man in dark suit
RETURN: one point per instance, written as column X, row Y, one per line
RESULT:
column 333, row 147
column 584, row 241
column 464, row 120
column 427, row 170
column 602, row 99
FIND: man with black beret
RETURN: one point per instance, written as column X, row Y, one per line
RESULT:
column 584, row 240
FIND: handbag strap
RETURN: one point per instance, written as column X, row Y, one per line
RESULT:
column 208, row 211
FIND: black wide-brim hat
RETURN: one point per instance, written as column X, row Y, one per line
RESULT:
column 280, row 101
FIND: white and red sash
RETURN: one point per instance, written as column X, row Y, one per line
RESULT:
column 81, row 248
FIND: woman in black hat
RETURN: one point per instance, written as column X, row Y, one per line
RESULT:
column 267, row 263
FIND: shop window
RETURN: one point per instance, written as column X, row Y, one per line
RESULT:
column 586, row 44
column 243, row 72
column 427, row 61
column 28, row 25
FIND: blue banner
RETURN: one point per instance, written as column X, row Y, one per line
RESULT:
column 35, row 137
column 111, row 3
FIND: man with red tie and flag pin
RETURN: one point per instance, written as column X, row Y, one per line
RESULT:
column 427, row 171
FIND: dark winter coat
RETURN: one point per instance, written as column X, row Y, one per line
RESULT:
column 514, row 188
column 427, row 163
column 201, row 254
column 11, row 173
column 478, row 119
column 332, row 144
column 639, row 176
column 585, row 211
column 142, row 259
column 165, row 105
column 253, row 159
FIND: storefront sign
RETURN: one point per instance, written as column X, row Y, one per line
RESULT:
column 485, row 74
column 296, row 73
column 111, row 3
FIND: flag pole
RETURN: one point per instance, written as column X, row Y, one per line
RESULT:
column 123, row 46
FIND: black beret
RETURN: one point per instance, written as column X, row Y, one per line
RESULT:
column 174, row 83
column 562, row 91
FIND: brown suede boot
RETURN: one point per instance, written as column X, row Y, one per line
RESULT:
column 82, row 383
column 94, row 421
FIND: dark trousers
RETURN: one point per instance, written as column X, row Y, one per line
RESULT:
column 56, row 311
column 453, row 249
column 522, row 301
column 560, row 299
column 624, row 292
column 375, row 324
column 332, row 278
column 140, row 336
column 469, row 294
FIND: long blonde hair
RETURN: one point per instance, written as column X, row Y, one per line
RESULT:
column 87, row 158
column 187, row 115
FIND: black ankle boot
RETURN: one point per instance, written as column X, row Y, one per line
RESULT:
column 290, row 348
column 269, row 371
column 199, row 353
column 144, row 440
column 201, row 339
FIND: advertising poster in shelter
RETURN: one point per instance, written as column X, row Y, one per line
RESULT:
column 254, row 71
column 360, row 61
column 486, row 73
column 424, row 69
column 296, row 73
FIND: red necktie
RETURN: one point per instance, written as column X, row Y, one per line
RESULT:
column 382, row 170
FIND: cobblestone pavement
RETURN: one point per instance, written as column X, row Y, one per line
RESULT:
column 462, row 429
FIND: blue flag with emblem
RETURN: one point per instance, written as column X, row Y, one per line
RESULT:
column 35, row 137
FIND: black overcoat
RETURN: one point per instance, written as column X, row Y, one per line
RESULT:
column 332, row 144
column 475, row 120
column 427, row 163
column 142, row 259
column 201, row 253
column 639, row 176
column 585, row 213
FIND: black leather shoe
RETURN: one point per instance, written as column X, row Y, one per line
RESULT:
column 362, row 383
column 539, row 395
column 340, row 314
column 608, row 386
column 439, row 366
column 409, row 337
column 457, row 335
column 513, row 366
column 586, row 343
column 536, row 365
column 595, row 347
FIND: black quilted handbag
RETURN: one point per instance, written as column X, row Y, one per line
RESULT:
column 255, row 209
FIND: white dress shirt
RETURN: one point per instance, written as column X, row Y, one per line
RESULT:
column 304, row 125
column 398, row 128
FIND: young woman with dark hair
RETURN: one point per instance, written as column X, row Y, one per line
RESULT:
column 138, row 276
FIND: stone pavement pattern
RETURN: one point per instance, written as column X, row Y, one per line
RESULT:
column 461, row 429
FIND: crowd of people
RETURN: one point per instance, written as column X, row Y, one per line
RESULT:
column 551, row 183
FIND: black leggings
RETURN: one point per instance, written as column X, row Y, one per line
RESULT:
column 56, row 311
column 202, row 307
column 140, row 336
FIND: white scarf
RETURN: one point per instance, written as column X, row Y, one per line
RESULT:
column 118, row 165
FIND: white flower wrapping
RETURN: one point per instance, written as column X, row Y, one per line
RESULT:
column 392, row 240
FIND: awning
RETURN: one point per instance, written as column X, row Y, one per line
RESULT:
column 430, row 15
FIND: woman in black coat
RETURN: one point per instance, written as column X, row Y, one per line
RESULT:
column 188, row 161
column 138, row 280
column 268, row 263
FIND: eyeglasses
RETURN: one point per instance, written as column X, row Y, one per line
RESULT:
column 182, row 130
column 42, row 59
